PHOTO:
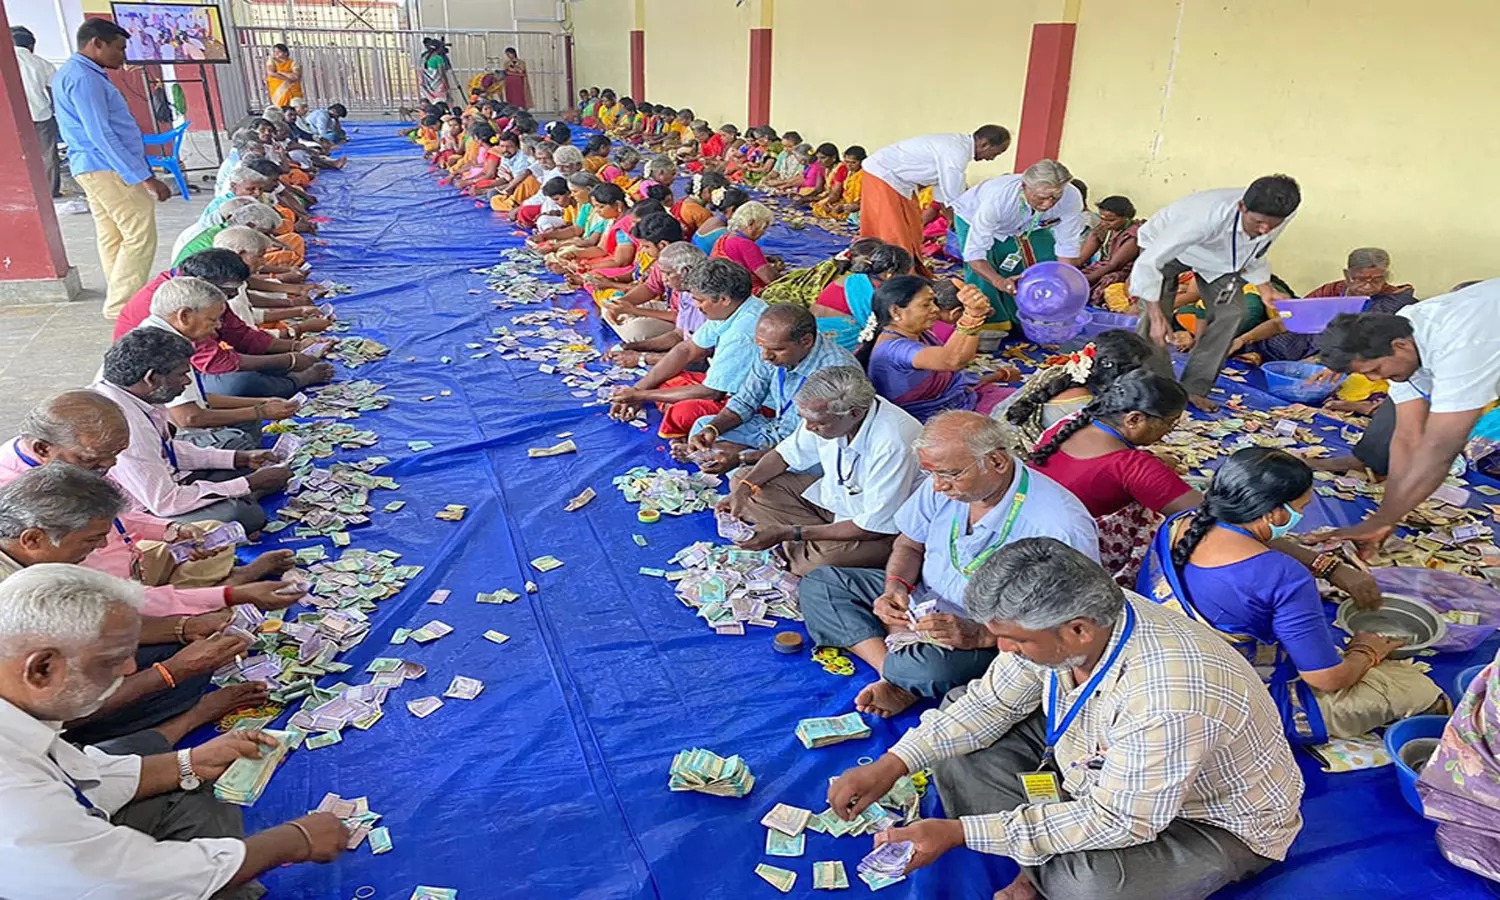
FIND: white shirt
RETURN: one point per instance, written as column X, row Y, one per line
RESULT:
column 864, row 480
column 996, row 210
column 36, row 74
column 1458, row 338
column 194, row 392
column 1203, row 231
column 940, row 160
column 51, row 848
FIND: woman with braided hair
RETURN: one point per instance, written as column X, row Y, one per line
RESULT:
column 1229, row 566
column 844, row 307
column 1052, row 394
column 692, row 210
column 1098, row 456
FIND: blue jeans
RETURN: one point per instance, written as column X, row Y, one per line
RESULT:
column 270, row 383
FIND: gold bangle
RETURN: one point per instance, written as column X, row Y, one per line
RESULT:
column 717, row 433
column 306, row 835
column 970, row 332
column 181, row 630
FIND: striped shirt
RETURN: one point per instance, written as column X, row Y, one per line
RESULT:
column 1180, row 727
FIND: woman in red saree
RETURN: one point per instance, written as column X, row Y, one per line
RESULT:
column 516, row 92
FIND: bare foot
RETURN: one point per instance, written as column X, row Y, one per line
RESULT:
column 1020, row 889
column 1203, row 404
column 266, row 566
column 212, row 707
column 883, row 699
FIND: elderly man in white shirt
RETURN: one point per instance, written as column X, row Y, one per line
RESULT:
column 909, row 622
column 171, row 478
column 827, row 495
column 896, row 173
column 1442, row 357
column 36, row 76
column 83, row 823
column 1004, row 212
column 1222, row 237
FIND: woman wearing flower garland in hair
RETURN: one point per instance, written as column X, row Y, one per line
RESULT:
column 693, row 210
column 1228, row 565
column 1066, row 385
column 1098, row 456
column 913, row 369
column 844, row 307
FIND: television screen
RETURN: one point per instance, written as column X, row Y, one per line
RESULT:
column 171, row 33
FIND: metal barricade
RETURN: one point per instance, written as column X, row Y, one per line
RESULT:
column 375, row 73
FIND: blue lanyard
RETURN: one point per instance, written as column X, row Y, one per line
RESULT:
column 169, row 453
column 1056, row 730
column 1236, row 528
column 30, row 463
column 781, row 392
column 78, row 794
column 1114, row 433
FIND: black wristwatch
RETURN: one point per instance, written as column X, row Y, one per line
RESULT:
column 796, row 534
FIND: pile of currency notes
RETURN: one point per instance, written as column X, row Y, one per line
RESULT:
column 344, row 400
column 922, row 603
column 245, row 779
column 360, row 821
column 358, row 579
column 886, row 864
column 731, row 588
column 829, row 876
column 781, row 879
column 787, row 819
column 709, row 773
column 319, row 439
column 829, row 730
column 673, row 492
column 324, row 502
column 517, row 278
column 356, row 351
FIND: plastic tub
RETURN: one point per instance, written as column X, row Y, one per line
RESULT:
column 1289, row 381
column 1403, row 733
column 1106, row 319
column 1310, row 315
column 1463, row 679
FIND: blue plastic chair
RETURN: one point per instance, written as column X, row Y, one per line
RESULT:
column 171, row 141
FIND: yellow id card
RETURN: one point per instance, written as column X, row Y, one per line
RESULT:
column 1040, row 787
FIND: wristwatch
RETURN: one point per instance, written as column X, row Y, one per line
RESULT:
column 187, row 779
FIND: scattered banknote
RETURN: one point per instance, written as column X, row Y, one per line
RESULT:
column 789, row 820
column 423, row 892
column 709, row 773
column 830, row 730
column 453, row 512
column 827, row 875
column 418, row 446
column 555, row 450
column 500, row 596
column 245, row 778
column 580, row 501
column 422, row 707
column 464, row 688
column 326, row 739
column 380, row 840
column 496, row 637
column 431, row 631
column 439, row 596
column 781, row 879
column 546, row 563
column 778, row 844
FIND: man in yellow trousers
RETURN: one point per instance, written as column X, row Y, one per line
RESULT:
column 108, row 160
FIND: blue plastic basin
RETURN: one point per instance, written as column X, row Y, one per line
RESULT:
column 1461, row 682
column 1397, row 736
column 1289, row 381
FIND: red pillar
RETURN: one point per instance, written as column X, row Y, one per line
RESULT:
column 33, row 245
column 1046, row 99
column 760, row 77
column 638, row 64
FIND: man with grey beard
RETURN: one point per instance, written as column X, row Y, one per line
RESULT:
column 83, row 823
column 1114, row 748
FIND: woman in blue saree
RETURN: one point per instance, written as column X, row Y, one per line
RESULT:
column 1226, row 565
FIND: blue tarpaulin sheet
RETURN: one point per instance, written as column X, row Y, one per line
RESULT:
column 552, row 784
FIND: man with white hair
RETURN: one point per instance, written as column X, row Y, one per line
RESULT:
column 88, row 430
column 238, row 211
column 828, row 494
column 994, row 222
column 172, row 478
column 61, row 513
column 909, row 621
column 76, row 823
column 1113, row 748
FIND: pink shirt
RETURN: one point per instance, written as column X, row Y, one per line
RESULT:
column 149, row 469
column 116, row 556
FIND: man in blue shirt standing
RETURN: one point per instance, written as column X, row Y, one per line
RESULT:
column 108, row 160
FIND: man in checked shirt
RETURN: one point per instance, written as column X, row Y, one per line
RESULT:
column 1171, row 779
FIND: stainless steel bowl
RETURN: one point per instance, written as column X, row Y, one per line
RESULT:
column 1399, row 616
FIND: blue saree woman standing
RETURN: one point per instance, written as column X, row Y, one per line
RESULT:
column 1226, row 565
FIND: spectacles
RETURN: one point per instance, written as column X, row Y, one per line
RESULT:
column 954, row 476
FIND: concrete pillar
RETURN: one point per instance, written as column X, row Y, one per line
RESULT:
column 760, row 66
column 1049, row 70
column 638, row 53
column 33, row 264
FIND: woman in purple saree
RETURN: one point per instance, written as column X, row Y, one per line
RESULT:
column 1460, row 785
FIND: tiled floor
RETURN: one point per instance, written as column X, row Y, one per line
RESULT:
column 53, row 347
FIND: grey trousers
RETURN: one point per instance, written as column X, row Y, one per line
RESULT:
column 184, row 815
column 1224, row 304
column 1374, row 448
column 838, row 606
column 245, row 510
column 148, row 712
column 1187, row 861
column 47, row 135
column 225, row 437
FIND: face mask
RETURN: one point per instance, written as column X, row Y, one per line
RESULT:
column 1278, row 531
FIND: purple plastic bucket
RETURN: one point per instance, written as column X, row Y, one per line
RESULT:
column 1051, row 292
column 1310, row 315
column 1043, row 331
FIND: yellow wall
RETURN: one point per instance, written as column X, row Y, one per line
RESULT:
column 697, row 56
column 1380, row 108
column 601, row 44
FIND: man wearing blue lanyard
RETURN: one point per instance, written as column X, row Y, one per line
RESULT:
column 1442, row 357
column 790, row 351
column 828, row 494
column 1222, row 237
column 1113, row 749
column 908, row 621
